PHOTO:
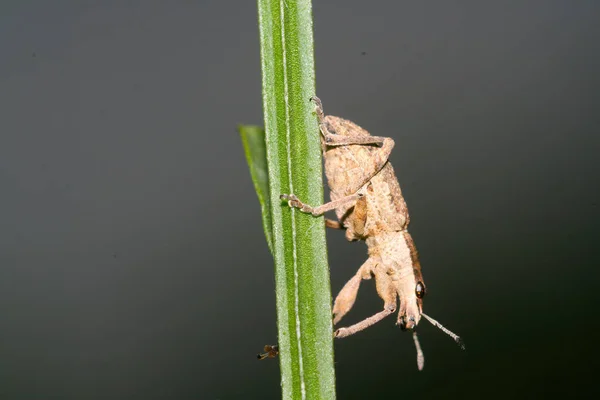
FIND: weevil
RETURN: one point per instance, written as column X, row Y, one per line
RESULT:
column 369, row 205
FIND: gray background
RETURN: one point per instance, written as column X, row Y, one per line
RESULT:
column 132, row 259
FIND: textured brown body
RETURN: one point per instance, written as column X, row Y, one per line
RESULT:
column 349, row 168
column 380, row 216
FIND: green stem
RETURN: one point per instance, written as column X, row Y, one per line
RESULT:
column 294, row 165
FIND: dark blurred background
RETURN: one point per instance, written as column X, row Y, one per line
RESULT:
column 132, row 258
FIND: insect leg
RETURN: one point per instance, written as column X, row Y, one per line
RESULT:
column 332, row 139
column 365, row 323
column 345, row 299
column 293, row 201
column 329, row 223
column 387, row 292
column 319, row 111
column 377, row 159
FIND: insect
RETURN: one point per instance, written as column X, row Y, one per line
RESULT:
column 369, row 205
column 270, row 351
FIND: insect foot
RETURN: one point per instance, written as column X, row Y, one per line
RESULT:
column 369, row 205
column 294, row 202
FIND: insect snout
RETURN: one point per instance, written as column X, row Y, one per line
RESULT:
column 407, row 322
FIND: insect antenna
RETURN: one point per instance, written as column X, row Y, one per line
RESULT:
column 454, row 336
column 420, row 356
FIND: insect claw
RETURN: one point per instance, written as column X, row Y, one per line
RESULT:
column 340, row 333
column 290, row 198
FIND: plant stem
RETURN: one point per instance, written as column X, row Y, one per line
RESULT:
column 294, row 165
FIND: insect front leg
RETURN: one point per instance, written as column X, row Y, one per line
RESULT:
column 330, row 223
column 387, row 291
column 347, row 296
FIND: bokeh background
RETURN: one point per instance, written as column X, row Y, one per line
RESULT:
column 132, row 259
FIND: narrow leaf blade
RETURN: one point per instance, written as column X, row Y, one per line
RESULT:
column 253, row 139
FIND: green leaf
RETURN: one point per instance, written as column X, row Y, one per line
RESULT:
column 253, row 139
column 294, row 163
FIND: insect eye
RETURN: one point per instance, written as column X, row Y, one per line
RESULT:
column 420, row 290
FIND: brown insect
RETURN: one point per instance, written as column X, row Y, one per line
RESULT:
column 368, row 202
column 270, row 351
